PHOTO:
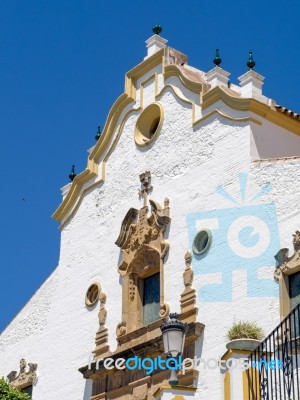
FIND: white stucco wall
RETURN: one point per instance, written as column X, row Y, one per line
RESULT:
column 264, row 146
column 57, row 331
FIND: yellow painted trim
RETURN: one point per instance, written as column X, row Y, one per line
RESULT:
column 198, row 121
column 137, row 131
column 108, row 131
column 112, row 147
column 154, row 78
column 236, row 119
column 141, row 69
column 227, row 394
column 173, row 70
column 250, row 391
column 229, row 353
column 93, row 159
column 252, row 105
column 176, row 92
column 80, row 198
column 216, row 94
column 129, row 97
column 68, row 201
column 174, row 388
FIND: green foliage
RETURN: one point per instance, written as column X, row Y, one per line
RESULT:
column 245, row 330
column 8, row 392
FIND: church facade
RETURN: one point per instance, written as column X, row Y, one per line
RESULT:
column 188, row 195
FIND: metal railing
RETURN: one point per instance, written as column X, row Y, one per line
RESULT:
column 274, row 372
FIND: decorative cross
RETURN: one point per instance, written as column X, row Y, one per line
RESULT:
column 145, row 179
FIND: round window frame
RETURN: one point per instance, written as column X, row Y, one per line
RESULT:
column 145, row 121
column 88, row 302
column 199, row 238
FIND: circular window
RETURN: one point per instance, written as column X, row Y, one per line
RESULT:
column 92, row 294
column 202, row 242
column 148, row 124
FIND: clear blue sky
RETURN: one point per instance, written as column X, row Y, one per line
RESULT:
column 62, row 65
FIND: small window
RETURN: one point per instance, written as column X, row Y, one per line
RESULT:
column 92, row 294
column 151, row 304
column 148, row 124
column 294, row 295
column 202, row 242
column 294, row 289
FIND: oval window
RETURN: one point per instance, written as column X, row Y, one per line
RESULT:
column 148, row 124
column 92, row 294
column 202, row 242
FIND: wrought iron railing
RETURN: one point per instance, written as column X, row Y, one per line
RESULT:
column 274, row 372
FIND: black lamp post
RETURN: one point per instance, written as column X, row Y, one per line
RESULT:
column 173, row 332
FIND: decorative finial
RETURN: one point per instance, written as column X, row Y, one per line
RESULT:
column 157, row 29
column 72, row 173
column 217, row 59
column 251, row 62
column 98, row 133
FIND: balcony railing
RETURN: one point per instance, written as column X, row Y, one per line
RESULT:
column 274, row 372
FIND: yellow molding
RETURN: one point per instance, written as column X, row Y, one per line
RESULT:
column 141, row 69
column 154, row 78
column 93, row 159
column 227, row 394
column 112, row 147
column 174, row 388
column 108, row 130
column 80, row 196
column 251, row 105
column 229, row 353
column 177, row 93
column 74, row 191
column 173, row 70
column 236, row 119
column 144, row 118
column 217, row 94
column 129, row 97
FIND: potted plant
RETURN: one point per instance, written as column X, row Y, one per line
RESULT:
column 8, row 392
column 244, row 335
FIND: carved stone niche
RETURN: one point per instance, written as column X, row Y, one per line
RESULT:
column 287, row 266
column 143, row 249
column 24, row 378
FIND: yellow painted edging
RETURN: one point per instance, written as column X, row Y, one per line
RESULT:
column 174, row 388
column 227, row 394
column 252, row 105
column 141, row 69
column 153, row 78
column 173, row 70
column 236, row 119
column 80, row 197
column 129, row 97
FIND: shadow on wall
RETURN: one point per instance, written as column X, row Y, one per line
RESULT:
column 88, row 389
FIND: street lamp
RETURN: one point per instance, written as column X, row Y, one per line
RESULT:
column 173, row 332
